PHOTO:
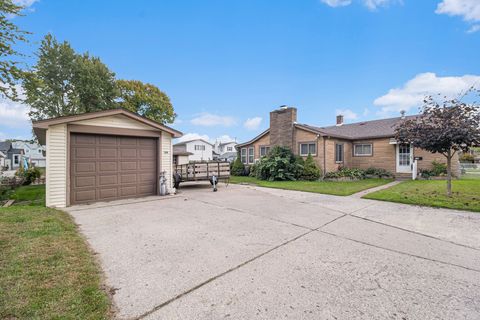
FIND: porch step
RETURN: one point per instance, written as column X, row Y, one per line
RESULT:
column 403, row 176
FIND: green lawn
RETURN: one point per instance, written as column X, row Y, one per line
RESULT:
column 466, row 194
column 339, row 188
column 46, row 268
column 29, row 195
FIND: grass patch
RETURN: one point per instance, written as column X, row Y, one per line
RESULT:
column 47, row 270
column 466, row 194
column 29, row 195
column 338, row 188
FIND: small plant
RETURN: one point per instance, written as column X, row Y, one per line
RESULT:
column 378, row 172
column 426, row 173
column 351, row 173
column 439, row 169
column 238, row 168
column 311, row 171
column 467, row 157
column 29, row 175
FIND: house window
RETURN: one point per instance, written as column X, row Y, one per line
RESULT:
column 229, row 148
column 243, row 155
column 199, row 147
column 16, row 159
column 251, row 155
column 362, row 150
column 264, row 150
column 338, row 152
column 308, row 148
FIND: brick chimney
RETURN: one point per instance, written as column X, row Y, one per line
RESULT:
column 281, row 126
column 339, row 120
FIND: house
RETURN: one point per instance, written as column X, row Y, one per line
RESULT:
column 180, row 155
column 33, row 152
column 3, row 156
column 356, row 145
column 105, row 155
column 13, row 156
column 200, row 149
column 225, row 151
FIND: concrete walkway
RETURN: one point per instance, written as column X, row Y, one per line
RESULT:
column 385, row 186
column 257, row 253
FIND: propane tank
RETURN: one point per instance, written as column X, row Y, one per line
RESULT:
column 163, row 184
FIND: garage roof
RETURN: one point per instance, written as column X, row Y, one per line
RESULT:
column 40, row 126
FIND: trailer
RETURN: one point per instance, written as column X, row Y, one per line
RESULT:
column 213, row 171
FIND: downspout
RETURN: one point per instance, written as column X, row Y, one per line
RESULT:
column 324, row 158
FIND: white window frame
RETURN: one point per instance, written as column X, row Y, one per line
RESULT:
column 308, row 144
column 356, row 154
column 199, row 147
column 266, row 150
column 251, row 155
column 16, row 159
column 229, row 149
column 243, row 155
column 342, row 153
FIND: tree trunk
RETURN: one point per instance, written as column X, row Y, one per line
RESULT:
column 449, row 173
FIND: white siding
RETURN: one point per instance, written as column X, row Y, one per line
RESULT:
column 199, row 155
column 56, row 175
column 166, row 161
column 117, row 121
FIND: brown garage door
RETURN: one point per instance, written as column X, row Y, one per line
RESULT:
column 104, row 168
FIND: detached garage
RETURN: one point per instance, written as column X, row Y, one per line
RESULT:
column 104, row 156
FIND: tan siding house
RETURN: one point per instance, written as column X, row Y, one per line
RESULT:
column 357, row 145
column 104, row 156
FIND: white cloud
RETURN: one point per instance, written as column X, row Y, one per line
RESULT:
column 209, row 120
column 24, row 3
column 474, row 28
column 411, row 95
column 347, row 114
column 252, row 123
column 337, row 3
column 468, row 9
column 192, row 136
column 370, row 4
column 225, row 138
column 14, row 114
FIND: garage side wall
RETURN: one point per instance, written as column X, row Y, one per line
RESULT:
column 56, row 174
column 166, row 158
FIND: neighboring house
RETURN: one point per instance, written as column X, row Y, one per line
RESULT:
column 225, row 151
column 103, row 156
column 356, row 145
column 180, row 155
column 3, row 156
column 33, row 152
column 200, row 149
column 13, row 159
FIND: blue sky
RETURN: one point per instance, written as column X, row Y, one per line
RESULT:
column 227, row 64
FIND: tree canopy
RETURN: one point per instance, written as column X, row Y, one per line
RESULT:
column 65, row 83
column 145, row 99
column 9, row 36
column 446, row 128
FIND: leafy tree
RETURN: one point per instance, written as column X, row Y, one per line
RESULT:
column 65, row 83
column 10, row 34
column 445, row 128
column 311, row 171
column 146, row 100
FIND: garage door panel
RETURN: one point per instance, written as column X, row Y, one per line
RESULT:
column 84, row 167
column 105, row 168
column 106, row 180
column 88, row 181
column 108, row 153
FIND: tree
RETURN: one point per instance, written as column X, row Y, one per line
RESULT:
column 10, row 34
column 311, row 172
column 237, row 169
column 65, row 83
column 445, row 128
column 279, row 164
column 145, row 99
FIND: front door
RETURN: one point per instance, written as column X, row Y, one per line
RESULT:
column 404, row 158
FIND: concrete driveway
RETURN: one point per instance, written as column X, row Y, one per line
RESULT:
column 255, row 253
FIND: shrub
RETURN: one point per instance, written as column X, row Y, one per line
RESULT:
column 467, row 157
column 351, row 173
column 238, row 168
column 378, row 172
column 310, row 171
column 439, row 169
column 426, row 173
column 29, row 175
column 253, row 170
column 280, row 164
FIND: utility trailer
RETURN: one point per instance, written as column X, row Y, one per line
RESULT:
column 212, row 171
